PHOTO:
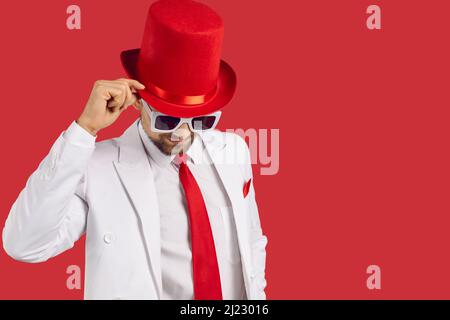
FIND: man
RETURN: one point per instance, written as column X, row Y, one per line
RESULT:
column 168, row 208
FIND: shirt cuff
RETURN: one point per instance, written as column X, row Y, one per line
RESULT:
column 76, row 135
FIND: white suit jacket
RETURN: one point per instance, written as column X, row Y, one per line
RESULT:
column 107, row 192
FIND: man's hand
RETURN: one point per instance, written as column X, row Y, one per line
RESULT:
column 107, row 101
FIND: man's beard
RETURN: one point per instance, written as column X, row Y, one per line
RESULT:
column 164, row 145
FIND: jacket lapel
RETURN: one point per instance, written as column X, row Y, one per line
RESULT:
column 227, row 164
column 136, row 175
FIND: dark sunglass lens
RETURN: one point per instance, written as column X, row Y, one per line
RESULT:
column 166, row 122
column 203, row 123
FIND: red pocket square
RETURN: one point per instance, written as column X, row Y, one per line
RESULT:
column 247, row 187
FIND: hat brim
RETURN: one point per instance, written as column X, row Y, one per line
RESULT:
column 226, row 86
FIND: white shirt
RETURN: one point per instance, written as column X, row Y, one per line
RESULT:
column 176, row 254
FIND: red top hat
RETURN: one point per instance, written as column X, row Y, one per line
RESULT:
column 179, row 60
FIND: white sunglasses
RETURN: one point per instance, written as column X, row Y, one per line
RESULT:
column 163, row 123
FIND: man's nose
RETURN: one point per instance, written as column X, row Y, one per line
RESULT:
column 182, row 132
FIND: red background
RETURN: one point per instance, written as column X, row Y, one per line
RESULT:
column 363, row 118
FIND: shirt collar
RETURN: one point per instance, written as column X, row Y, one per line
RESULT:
column 194, row 152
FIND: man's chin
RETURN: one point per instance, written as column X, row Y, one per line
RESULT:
column 171, row 148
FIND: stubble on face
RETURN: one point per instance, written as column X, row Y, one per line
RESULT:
column 164, row 141
column 165, row 145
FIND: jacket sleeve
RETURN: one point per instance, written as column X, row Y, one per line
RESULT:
column 257, row 238
column 50, row 213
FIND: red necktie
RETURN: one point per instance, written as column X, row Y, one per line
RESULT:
column 204, row 259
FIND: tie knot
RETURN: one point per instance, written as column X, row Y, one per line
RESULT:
column 180, row 158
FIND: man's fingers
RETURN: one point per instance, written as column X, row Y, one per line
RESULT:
column 131, row 97
column 133, row 83
column 129, row 102
column 121, row 93
column 114, row 107
column 117, row 97
column 126, row 90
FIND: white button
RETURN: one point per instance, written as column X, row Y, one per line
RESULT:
column 252, row 275
column 108, row 238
